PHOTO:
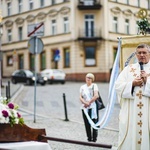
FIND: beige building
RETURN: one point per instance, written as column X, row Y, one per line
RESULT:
column 79, row 36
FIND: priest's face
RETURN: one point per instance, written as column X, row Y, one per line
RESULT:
column 143, row 55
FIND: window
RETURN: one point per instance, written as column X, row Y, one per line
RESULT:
column 9, row 8
column 127, row 26
column 137, row 27
column 42, row 3
column 9, row 35
column 21, row 61
column 115, row 24
column 53, row 2
column 30, row 4
column 114, row 53
column 66, row 57
column 89, row 25
column 138, row 3
column 20, row 33
column 43, row 60
column 66, row 25
column 19, row 6
column 90, row 56
column 9, row 60
column 55, row 55
column 148, row 3
column 32, row 59
column 114, row 56
column 53, row 27
column 88, row 2
column 127, row 2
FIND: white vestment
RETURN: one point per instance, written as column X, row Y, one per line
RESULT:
column 134, row 117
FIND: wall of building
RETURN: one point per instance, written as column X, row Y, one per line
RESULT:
column 103, row 20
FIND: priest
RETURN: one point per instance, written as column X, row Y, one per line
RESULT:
column 133, row 92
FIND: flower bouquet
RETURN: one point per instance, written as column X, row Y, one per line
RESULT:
column 9, row 113
column 12, row 126
column 143, row 25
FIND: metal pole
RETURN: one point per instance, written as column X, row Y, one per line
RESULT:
column 9, row 90
column 41, row 137
column 65, row 107
column 0, row 59
column 1, row 33
column 35, row 62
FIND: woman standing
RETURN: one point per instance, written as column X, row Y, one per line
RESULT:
column 88, row 95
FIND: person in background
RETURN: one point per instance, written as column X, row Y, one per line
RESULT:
column 88, row 95
column 133, row 90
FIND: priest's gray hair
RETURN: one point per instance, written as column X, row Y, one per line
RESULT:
column 143, row 45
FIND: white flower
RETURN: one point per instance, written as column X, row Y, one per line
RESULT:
column 4, row 120
column 1, row 98
column 14, row 113
column 9, row 114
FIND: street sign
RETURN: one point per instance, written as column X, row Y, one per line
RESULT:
column 36, row 29
column 57, row 55
column 32, row 45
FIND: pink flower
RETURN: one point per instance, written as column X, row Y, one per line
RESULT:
column 19, row 116
column 5, row 113
column 11, row 105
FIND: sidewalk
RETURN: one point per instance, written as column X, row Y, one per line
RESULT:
column 14, row 88
column 58, row 128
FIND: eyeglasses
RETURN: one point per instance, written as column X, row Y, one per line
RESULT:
column 144, row 53
column 89, row 77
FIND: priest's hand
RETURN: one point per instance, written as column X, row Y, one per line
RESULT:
column 137, row 82
column 144, row 76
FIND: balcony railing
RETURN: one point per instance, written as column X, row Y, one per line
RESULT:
column 89, row 4
column 91, row 34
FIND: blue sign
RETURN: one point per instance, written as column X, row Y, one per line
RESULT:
column 57, row 56
column 57, row 52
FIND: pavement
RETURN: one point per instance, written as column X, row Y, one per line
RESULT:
column 60, row 128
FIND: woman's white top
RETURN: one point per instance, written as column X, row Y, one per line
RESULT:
column 87, row 94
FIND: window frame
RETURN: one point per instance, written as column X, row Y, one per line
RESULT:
column 42, row 3
column 32, row 61
column 20, row 33
column 127, row 26
column 89, row 25
column 115, row 24
column 66, row 52
column 19, row 6
column 53, row 27
column 138, row 3
column 21, row 61
column 30, row 4
column 66, row 24
column 9, row 35
column 43, row 61
column 86, row 58
column 9, row 7
column 53, row 2
column 10, row 58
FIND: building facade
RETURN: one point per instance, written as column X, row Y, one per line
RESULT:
column 79, row 36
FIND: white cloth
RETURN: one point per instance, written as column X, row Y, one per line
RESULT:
column 134, row 120
column 29, row 145
column 87, row 94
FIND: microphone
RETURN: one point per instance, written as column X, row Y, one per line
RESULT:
column 141, row 65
